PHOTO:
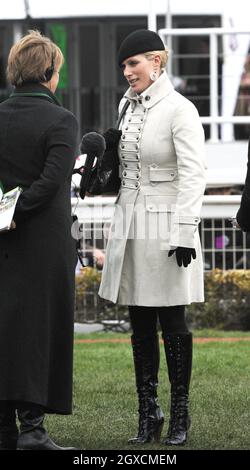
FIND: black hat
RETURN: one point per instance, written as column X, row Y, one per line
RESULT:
column 138, row 42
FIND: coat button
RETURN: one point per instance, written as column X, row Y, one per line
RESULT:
column 123, row 146
column 124, row 173
column 141, row 119
column 123, row 183
column 126, row 128
column 123, row 136
column 136, row 185
column 147, row 98
column 129, row 120
column 126, row 165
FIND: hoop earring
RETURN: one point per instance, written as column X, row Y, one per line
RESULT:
column 153, row 76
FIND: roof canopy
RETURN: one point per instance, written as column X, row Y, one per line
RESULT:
column 15, row 9
column 12, row 9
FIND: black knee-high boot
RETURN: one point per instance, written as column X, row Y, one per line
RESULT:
column 146, row 362
column 8, row 427
column 33, row 435
column 178, row 348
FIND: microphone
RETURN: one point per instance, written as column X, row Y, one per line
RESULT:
column 94, row 146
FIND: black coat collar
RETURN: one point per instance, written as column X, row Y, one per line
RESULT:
column 37, row 90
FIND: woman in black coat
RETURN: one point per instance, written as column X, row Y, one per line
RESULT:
column 38, row 255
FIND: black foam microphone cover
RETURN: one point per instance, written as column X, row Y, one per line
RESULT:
column 93, row 144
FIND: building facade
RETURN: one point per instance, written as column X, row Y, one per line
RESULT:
column 91, row 83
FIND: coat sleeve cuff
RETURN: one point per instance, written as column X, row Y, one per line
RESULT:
column 183, row 231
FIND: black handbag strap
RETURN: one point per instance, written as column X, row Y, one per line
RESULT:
column 123, row 111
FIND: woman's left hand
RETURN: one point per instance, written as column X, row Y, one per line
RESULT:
column 183, row 255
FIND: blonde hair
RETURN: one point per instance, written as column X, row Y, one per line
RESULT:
column 163, row 55
column 30, row 57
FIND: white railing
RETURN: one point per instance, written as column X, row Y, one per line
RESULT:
column 223, row 247
column 214, row 34
column 100, row 209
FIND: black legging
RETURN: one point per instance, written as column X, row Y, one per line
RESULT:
column 144, row 320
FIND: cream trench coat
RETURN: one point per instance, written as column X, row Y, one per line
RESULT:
column 158, row 206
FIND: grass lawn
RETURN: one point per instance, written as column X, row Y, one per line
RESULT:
column 105, row 404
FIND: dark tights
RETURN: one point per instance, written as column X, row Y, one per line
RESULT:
column 144, row 320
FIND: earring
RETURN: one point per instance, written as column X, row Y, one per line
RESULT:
column 153, row 76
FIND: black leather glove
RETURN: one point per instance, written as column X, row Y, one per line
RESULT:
column 183, row 255
column 109, row 161
column 112, row 137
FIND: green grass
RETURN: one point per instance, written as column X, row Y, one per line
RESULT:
column 204, row 333
column 105, row 405
column 211, row 333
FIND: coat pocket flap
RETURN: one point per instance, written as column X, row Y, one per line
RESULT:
column 160, row 203
column 162, row 174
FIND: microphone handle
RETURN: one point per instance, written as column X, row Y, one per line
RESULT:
column 86, row 175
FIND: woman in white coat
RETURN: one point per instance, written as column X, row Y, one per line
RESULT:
column 153, row 260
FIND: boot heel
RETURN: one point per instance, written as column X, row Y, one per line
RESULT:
column 158, row 431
